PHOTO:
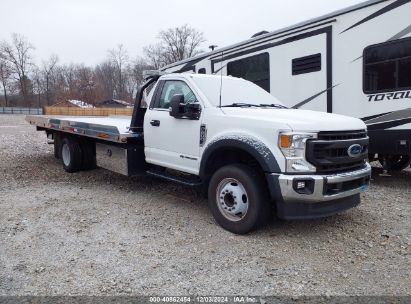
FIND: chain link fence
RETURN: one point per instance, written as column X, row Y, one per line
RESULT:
column 21, row 110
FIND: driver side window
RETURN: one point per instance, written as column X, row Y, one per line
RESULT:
column 175, row 87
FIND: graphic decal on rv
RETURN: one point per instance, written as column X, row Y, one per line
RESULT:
column 190, row 66
column 305, row 101
column 400, row 114
column 389, row 120
column 374, row 116
column 401, row 34
column 389, row 96
column 388, row 124
column 382, row 11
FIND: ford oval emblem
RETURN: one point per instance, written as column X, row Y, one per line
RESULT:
column 355, row 150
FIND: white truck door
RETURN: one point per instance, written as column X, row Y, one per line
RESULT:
column 172, row 142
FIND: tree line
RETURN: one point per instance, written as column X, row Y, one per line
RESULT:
column 25, row 83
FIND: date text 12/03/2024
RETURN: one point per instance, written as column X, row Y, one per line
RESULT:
column 204, row 299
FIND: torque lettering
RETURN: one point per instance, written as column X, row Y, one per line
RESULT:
column 389, row 96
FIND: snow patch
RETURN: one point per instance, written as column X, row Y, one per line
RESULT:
column 122, row 102
column 259, row 146
column 80, row 104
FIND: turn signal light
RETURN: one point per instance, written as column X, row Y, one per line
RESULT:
column 285, row 141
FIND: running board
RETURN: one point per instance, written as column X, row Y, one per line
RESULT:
column 191, row 181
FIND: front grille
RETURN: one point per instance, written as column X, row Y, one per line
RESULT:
column 342, row 135
column 329, row 152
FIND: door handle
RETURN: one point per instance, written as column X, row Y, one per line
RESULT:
column 155, row 123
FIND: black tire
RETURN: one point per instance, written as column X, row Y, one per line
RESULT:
column 57, row 145
column 88, row 155
column 395, row 163
column 371, row 157
column 258, row 210
column 72, row 157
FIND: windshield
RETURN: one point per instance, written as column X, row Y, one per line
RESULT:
column 234, row 92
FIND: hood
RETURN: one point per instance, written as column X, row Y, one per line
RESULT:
column 299, row 120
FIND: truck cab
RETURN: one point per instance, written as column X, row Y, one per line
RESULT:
column 314, row 164
column 249, row 152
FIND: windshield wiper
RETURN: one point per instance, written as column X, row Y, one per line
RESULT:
column 249, row 105
column 278, row 106
column 240, row 104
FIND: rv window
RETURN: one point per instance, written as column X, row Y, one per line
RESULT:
column 387, row 67
column 307, row 64
column 255, row 69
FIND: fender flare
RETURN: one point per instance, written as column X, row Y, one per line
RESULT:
column 254, row 147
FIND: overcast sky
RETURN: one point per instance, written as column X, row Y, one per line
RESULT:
column 81, row 31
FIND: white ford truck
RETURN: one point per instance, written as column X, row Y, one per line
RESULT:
column 250, row 153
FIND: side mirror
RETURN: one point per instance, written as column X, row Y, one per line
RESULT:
column 193, row 111
column 177, row 106
column 181, row 110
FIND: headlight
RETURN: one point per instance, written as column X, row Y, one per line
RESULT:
column 292, row 146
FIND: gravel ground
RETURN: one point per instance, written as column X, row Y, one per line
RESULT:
column 100, row 233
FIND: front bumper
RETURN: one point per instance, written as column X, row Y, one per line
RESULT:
column 326, row 194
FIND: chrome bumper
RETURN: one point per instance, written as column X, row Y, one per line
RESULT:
column 318, row 195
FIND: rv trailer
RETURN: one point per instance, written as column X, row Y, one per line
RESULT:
column 354, row 62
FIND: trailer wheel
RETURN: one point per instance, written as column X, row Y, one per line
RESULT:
column 395, row 162
column 71, row 155
column 56, row 150
column 237, row 198
column 88, row 155
column 57, row 145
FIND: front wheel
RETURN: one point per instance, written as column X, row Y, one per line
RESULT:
column 237, row 198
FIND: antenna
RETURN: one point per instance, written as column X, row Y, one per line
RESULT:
column 221, row 76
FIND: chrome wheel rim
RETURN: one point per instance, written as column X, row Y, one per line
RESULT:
column 65, row 153
column 232, row 199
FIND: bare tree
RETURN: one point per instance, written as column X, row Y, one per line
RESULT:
column 175, row 44
column 37, row 84
column 106, row 78
column 136, row 70
column 5, row 74
column 18, row 54
column 59, row 84
column 154, row 55
column 119, row 59
column 48, row 69
column 69, row 73
column 181, row 42
column 86, row 84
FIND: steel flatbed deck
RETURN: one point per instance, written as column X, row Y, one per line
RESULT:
column 111, row 128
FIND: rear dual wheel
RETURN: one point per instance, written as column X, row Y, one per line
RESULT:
column 71, row 155
column 76, row 155
column 88, row 155
column 57, row 145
